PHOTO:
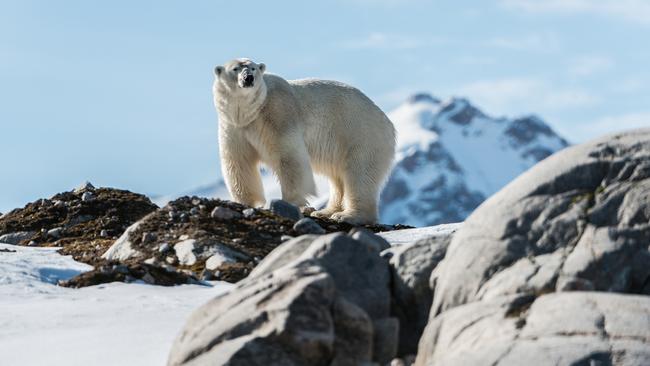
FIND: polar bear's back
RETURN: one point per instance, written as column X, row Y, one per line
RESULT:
column 343, row 105
column 348, row 116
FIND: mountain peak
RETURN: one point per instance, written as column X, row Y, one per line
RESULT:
column 423, row 97
column 461, row 111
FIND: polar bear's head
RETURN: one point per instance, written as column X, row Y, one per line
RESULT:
column 240, row 75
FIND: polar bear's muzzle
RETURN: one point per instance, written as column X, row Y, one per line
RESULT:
column 246, row 79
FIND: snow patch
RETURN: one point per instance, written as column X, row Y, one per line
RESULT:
column 105, row 325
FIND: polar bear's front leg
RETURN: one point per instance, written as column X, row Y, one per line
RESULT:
column 293, row 169
column 240, row 170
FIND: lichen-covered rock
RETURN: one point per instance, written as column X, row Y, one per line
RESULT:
column 579, row 220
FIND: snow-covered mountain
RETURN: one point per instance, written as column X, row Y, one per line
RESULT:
column 451, row 156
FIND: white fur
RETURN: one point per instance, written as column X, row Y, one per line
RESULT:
column 298, row 125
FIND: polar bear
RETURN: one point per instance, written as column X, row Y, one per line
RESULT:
column 294, row 126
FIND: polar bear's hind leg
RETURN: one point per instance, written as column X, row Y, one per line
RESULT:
column 335, row 202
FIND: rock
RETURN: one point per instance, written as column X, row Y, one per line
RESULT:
column 569, row 328
column 579, row 220
column 122, row 249
column 285, row 319
column 407, row 360
column 285, row 253
column 55, row 233
column 284, row 238
column 120, row 268
column 84, row 187
column 315, row 300
column 249, row 212
column 369, row 238
column 164, row 248
column 87, row 196
column 361, row 275
column 285, row 209
column 224, row 213
column 16, row 237
column 104, row 233
column 411, row 267
column 207, row 275
column 216, row 260
column 185, row 252
column 386, row 339
column 80, row 219
column 308, row 226
column 148, row 237
column 353, row 332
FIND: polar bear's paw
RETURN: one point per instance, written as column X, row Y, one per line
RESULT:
column 352, row 217
column 325, row 213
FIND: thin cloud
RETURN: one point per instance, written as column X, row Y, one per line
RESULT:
column 519, row 95
column 636, row 11
column 607, row 124
column 379, row 40
column 542, row 42
column 590, row 65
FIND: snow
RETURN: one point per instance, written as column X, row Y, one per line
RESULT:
column 409, row 236
column 111, row 324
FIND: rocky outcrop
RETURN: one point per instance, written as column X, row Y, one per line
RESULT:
column 566, row 328
column 214, row 239
column 84, row 221
column 578, row 221
column 328, row 305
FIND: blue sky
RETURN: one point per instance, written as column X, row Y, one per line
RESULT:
column 119, row 92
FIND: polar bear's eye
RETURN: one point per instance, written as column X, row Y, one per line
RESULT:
column 235, row 69
column 253, row 69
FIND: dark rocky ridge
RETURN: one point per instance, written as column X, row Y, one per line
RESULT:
column 86, row 222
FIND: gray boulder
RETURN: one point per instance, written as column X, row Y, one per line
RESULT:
column 284, row 209
column 411, row 266
column 290, row 317
column 315, row 300
column 285, row 253
column 579, row 220
column 17, row 237
column 308, row 226
column 567, row 328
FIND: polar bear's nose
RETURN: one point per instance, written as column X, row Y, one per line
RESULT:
column 248, row 80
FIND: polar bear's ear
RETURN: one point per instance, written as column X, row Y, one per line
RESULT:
column 262, row 68
column 218, row 70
